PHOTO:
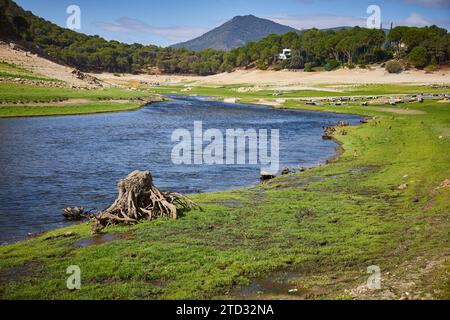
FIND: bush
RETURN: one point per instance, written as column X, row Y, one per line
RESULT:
column 261, row 65
column 277, row 67
column 351, row 66
column 394, row 66
column 431, row 68
column 362, row 66
column 331, row 65
column 417, row 57
column 308, row 67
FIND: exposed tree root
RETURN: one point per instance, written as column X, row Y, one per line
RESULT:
column 76, row 214
column 138, row 200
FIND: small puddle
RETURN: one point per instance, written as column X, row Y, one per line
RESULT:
column 359, row 170
column 280, row 284
column 102, row 239
column 232, row 204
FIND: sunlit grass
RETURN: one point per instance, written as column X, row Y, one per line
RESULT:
column 86, row 108
column 9, row 70
column 16, row 100
column 331, row 220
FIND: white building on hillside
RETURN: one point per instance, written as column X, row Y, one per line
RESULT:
column 287, row 53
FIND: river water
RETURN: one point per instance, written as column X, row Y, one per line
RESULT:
column 49, row 163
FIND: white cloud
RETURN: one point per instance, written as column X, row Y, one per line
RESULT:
column 134, row 26
column 415, row 20
column 319, row 21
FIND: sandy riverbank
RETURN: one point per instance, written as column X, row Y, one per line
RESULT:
column 288, row 78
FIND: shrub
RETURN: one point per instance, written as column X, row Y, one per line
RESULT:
column 261, row 65
column 277, row 67
column 394, row 66
column 308, row 67
column 431, row 68
column 331, row 65
column 362, row 66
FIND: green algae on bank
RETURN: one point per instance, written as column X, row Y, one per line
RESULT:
column 323, row 227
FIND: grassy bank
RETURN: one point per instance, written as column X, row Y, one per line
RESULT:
column 15, row 93
column 77, row 109
column 20, row 100
column 247, row 92
column 12, row 71
column 315, row 231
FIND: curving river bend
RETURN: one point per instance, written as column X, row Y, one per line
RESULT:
column 50, row 163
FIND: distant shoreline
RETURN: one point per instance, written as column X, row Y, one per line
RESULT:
column 357, row 76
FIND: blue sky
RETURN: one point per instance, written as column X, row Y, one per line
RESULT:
column 171, row 21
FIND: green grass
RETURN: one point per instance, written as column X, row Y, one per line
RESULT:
column 15, row 97
column 10, row 93
column 9, row 70
column 326, row 225
column 350, row 90
column 13, row 69
column 86, row 108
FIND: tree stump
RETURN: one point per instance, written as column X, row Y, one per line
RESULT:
column 139, row 199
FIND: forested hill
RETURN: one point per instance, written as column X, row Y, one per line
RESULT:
column 93, row 53
column 235, row 33
column 420, row 47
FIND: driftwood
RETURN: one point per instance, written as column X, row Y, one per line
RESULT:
column 328, row 132
column 76, row 214
column 341, row 124
column 62, row 235
column 139, row 199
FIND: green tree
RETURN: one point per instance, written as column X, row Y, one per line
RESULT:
column 295, row 62
column 418, row 57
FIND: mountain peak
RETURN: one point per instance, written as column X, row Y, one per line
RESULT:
column 235, row 33
column 248, row 16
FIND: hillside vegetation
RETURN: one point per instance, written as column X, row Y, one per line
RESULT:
column 330, row 49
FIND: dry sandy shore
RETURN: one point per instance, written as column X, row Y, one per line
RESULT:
column 289, row 78
column 39, row 66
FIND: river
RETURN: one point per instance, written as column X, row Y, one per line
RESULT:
column 49, row 163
